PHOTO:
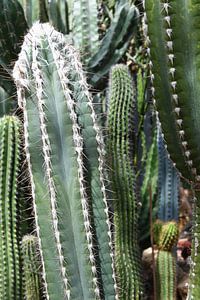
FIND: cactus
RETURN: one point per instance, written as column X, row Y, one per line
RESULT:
column 121, row 149
column 168, row 185
column 114, row 44
column 165, row 270
column 60, row 131
column 85, row 27
column 31, row 265
column 168, row 236
column 165, row 237
column 10, row 262
column 172, row 38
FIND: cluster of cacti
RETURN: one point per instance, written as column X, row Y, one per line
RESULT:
column 85, row 201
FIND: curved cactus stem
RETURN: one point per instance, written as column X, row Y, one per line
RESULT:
column 10, row 261
column 31, row 265
column 85, row 27
column 120, row 141
column 48, row 65
column 165, row 273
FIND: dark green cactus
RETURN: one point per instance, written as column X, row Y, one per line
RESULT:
column 31, row 266
column 121, row 149
column 172, row 37
column 165, row 270
column 10, row 262
column 114, row 44
column 67, row 178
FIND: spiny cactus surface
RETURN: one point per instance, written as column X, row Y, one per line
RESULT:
column 58, row 114
column 121, row 149
column 165, row 270
column 31, row 266
column 10, row 260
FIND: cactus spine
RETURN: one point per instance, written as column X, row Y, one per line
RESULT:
column 31, row 266
column 172, row 37
column 10, row 263
column 57, row 118
column 120, row 140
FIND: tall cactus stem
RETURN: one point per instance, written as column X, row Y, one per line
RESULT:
column 10, row 264
column 58, row 119
column 121, row 132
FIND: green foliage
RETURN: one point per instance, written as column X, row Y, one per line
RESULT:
column 31, row 266
column 121, row 148
column 10, row 261
column 65, row 154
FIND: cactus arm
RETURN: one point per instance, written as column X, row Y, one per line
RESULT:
column 114, row 44
column 57, row 11
column 10, row 271
column 125, row 206
column 85, row 27
column 31, row 267
column 96, row 172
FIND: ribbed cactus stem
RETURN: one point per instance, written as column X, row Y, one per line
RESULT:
column 120, row 141
column 165, row 270
column 10, row 261
column 31, row 266
column 168, row 235
column 58, row 116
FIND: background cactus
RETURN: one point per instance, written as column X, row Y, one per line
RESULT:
column 121, row 148
column 10, row 260
column 31, row 266
column 57, row 120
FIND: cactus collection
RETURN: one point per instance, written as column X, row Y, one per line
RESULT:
column 99, row 125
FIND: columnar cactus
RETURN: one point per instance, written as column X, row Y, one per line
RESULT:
column 10, row 262
column 165, row 270
column 172, row 37
column 121, row 149
column 31, row 266
column 65, row 155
